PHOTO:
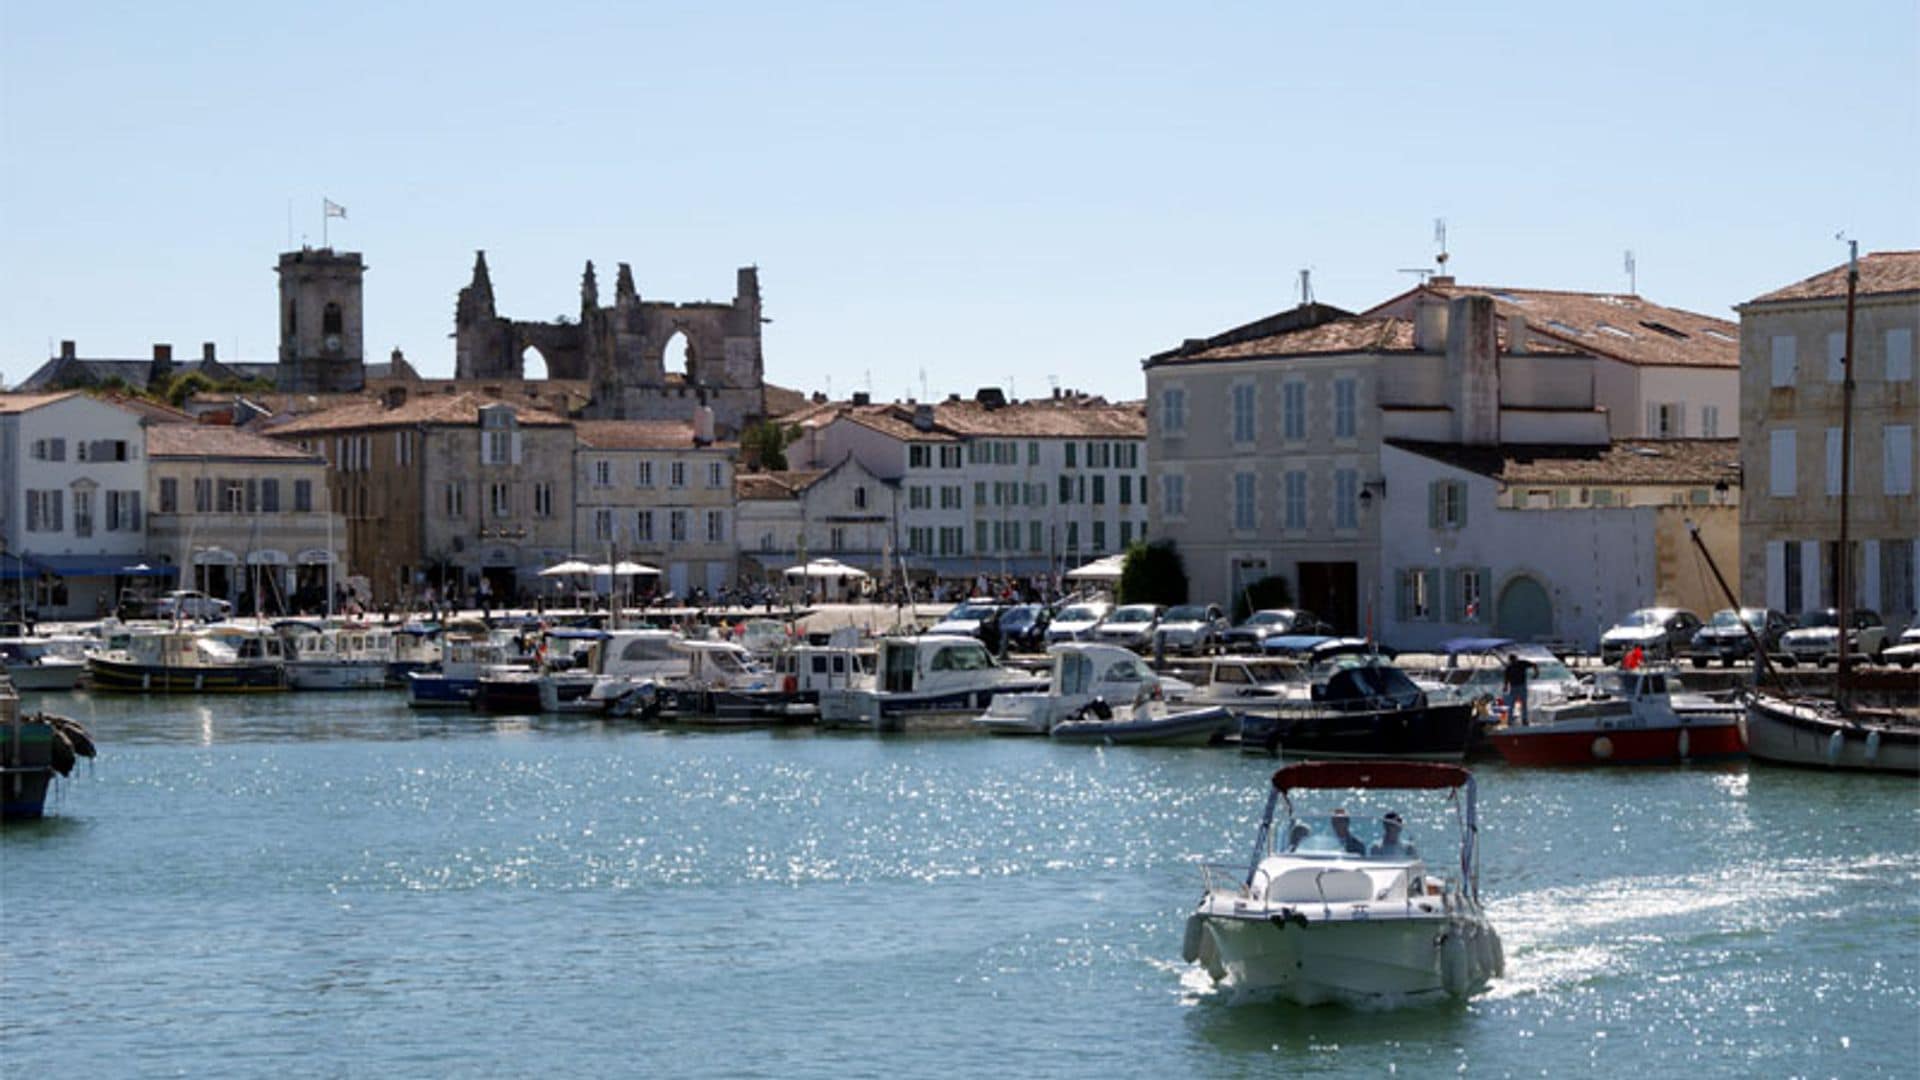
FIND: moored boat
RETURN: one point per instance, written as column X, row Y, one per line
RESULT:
column 924, row 682
column 1148, row 723
column 468, row 649
column 1822, row 734
column 224, row 659
column 1625, row 718
column 724, row 685
column 1353, row 711
column 1082, row 673
column 37, row 663
column 327, row 657
column 1312, row 920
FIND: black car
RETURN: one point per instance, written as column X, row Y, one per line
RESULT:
column 1025, row 627
column 1725, row 637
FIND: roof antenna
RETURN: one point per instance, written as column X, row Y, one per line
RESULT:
column 1440, row 238
column 1306, row 287
column 1633, row 286
column 923, row 384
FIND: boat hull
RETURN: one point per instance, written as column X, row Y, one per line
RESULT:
column 337, row 675
column 62, row 675
column 508, row 697
column 1792, row 733
column 1433, row 732
column 1593, row 744
column 1309, row 961
column 1198, row 727
column 437, row 691
column 953, row 710
column 121, row 677
column 738, row 707
column 26, row 768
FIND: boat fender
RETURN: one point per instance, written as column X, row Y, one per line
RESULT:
column 1454, row 963
column 1190, row 948
column 1686, row 744
column 1603, row 748
column 1873, row 745
column 1288, row 915
column 1834, row 743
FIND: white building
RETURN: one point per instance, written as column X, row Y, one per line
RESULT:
column 1549, row 543
column 660, row 492
column 845, row 513
column 989, row 487
column 72, row 473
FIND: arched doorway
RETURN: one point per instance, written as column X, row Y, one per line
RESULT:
column 533, row 363
column 1525, row 612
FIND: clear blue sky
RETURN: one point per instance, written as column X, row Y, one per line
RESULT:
column 990, row 191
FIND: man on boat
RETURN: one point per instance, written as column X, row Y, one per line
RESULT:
column 1348, row 842
column 1390, row 843
column 1517, row 671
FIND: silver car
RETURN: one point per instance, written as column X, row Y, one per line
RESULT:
column 1659, row 632
column 1191, row 628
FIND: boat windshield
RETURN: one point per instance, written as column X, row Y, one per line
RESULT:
column 1321, row 838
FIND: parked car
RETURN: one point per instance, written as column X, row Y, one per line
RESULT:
column 1660, row 632
column 1191, row 628
column 191, row 604
column 1725, row 637
column 1263, row 624
column 1817, row 639
column 1025, row 627
column 1906, row 651
column 1130, row 627
column 1075, row 622
column 967, row 618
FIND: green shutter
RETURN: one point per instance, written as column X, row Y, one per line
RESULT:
column 1460, row 494
column 1402, row 586
column 1485, row 614
column 1450, row 587
column 1433, row 504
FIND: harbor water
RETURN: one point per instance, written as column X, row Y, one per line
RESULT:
column 310, row 885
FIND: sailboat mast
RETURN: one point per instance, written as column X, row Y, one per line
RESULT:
column 1843, row 569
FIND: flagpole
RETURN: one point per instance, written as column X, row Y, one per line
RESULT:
column 325, row 219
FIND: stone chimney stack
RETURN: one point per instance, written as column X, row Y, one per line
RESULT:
column 67, row 350
column 1430, row 323
column 162, row 354
column 207, row 351
column 1473, row 371
column 1517, row 334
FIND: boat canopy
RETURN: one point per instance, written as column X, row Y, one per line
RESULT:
column 1371, row 774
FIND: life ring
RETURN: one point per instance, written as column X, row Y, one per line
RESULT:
column 1686, row 743
column 1603, row 748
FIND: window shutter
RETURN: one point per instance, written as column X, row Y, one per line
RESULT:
column 33, row 511
column 1653, row 420
column 1460, row 501
column 1433, row 503
column 133, row 511
column 516, row 448
column 1485, row 614
column 59, row 507
column 1452, row 603
column 1402, row 589
column 59, row 447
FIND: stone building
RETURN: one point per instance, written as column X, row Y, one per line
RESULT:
column 243, row 518
column 322, row 339
column 446, row 490
column 657, row 492
column 627, row 352
column 1792, row 341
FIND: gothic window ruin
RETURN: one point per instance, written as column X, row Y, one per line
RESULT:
column 677, row 357
column 533, row 364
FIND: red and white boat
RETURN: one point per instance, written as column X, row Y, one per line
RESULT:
column 1627, row 718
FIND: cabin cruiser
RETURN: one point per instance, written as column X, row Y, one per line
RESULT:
column 226, row 658
column 416, row 647
column 1322, row 917
column 724, row 684
column 1354, row 707
column 323, row 657
column 39, row 663
column 619, row 674
column 1082, row 672
column 1625, row 718
column 468, row 648
column 555, row 676
column 922, row 682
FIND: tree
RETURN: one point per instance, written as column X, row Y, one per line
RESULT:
column 1268, row 592
column 765, row 443
column 1152, row 574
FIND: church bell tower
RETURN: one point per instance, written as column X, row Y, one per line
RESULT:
column 321, row 344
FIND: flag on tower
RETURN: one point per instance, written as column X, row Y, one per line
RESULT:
column 333, row 209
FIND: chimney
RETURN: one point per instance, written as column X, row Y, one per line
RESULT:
column 861, row 397
column 396, row 396
column 1429, row 323
column 206, row 351
column 66, row 350
column 1517, row 334
column 703, row 425
column 990, row 397
column 923, row 417
column 162, row 354
column 1473, row 371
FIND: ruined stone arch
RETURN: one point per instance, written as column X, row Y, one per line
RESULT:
column 533, row 363
column 679, row 355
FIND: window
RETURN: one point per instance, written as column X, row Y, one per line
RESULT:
column 500, row 500
column 980, row 537
column 1786, row 359
column 456, row 496
column 717, row 526
column 603, row 524
column 82, row 511
column 1099, row 537
column 919, row 456
column 169, row 495
column 1447, row 504
column 677, row 526
column 123, row 511
column 602, row 473
column 233, row 496
column 677, row 474
column 1126, row 533
column 1033, row 454
column 952, row 497
column 1836, row 356
column 1344, row 392
column 643, row 474
column 1293, row 411
column 1099, row 490
column 1244, row 510
column 950, row 457
column 1072, row 450
column 1126, row 489
column 918, row 498
column 1173, row 411
column 269, row 495
column 202, row 495
column 1896, row 442
column 543, row 499
column 1468, row 584
column 643, row 527
column 1781, row 454
column 1899, row 356
column 303, row 496
column 1243, row 413
column 1296, row 500
column 1416, row 599
column 1896, row 576
column 1033, row 536
column 49, row 450
column 1073, row 536
column 860, row 497
column 1709, row 421
column 1793, row 575
column 1173, row 495
column 1666, row 420
column 1346, row 499
column 496, row 448
column 44, row 511
column 403, row 447
column 716, row 474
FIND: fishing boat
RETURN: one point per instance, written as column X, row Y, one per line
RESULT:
column 416, row 647
column 1624, row 718
column 328, row 657
column 1081, row 673
column 1311, row 920
column 34, row 749
column 924, row 682
column 227, row 658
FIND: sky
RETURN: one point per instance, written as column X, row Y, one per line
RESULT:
column 939, row 196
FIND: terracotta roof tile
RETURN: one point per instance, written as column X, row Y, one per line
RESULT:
column 218, row 441
column 1679, row 462
column 1881, row 272
column 1043, row 419
column 19, row 403
column 639, row 435
column 1622, row 327
column 787, row 484
column 455, row 410
column 1339, row 336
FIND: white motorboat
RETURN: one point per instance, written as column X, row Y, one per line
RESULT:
column 468, row 649
column 1312, row 920
column 1082, row 673
column 726, row 685
column 619, row 675
column 924, row 682
column 38, row 663
column 324, row 657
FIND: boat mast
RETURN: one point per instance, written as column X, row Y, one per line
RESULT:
column 1843, row 563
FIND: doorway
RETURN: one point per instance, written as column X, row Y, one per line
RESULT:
column 1331, row 590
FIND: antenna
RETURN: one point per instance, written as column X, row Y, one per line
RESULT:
column 923, row 384
column 1012, row 394
column 1420, row 270
column 1633, row 287
column 1306, row 287
column 869, row 374
column 1440, row 238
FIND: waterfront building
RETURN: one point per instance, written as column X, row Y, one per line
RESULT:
column 658, row 492
column 1265, row 440
column 445, row 490
column 246, row 519
column 990, row 487
column 1548, row 543
column 72, row 530
column 1792, row 341
column 792, row 516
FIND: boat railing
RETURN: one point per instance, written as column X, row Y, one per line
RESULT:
column 1226, row 877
